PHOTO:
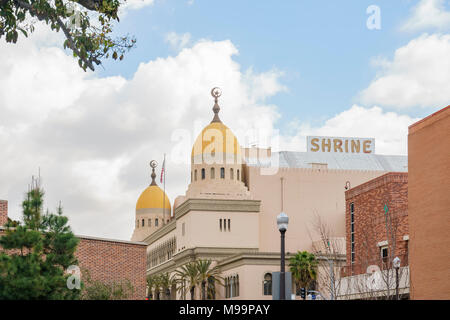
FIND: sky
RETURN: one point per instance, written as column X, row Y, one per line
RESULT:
column 287, row 69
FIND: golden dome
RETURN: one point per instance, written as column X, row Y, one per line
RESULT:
column 216, row 138
column 153, row 197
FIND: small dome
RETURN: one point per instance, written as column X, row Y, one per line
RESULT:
column 216, row 137
column 153, row 197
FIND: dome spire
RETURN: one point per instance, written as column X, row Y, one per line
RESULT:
column 153, row 165
column 216, row 93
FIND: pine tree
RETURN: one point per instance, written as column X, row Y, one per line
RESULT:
column 39, row 250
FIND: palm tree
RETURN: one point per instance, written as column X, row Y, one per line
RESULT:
column 151, row 281
column 303, row 266
column 157, row 286
column 167, row 282
column 181, row 280
column 189, row 273
column 208, row 276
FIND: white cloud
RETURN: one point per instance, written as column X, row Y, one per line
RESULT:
column 178, row 41
column 136, row 4
column 418, row 75
column 428, row 14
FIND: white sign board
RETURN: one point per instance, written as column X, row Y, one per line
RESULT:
column 341, row 145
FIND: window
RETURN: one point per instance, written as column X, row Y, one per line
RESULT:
column 137, row 223
column 203, row 174
column 352, row 230
column 384, row 254
column 222, row 173
column 156, row 222
column 212, row 173
column 227, row 292
column 231, row 174
column 267, row 284
column 143, row 222
column 232, row 286
column 183, row 229
column 220, row 224
column 195, row 175
column 237, row 174
column 229, row 224
column 149, row 222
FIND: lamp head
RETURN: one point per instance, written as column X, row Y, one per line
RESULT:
column 396, row 262
column 282, row 221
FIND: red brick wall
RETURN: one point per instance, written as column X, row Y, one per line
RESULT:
column 429, row 206
column 370, row 221
column 114, row 261
column 3, row 212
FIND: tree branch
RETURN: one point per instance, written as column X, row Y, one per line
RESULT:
column 66, row 32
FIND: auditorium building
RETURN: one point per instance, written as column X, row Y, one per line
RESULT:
column 228, row 212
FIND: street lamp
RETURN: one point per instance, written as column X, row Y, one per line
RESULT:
column 396, row 264
column 282, row 222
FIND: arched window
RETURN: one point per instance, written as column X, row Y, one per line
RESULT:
column 237, row 173
column 195, row 175
column 213, row 173
column 222, row 173
column 267, row 284
column 231, row 174
column 156, row 222
column 143, row 222
column 203, row 174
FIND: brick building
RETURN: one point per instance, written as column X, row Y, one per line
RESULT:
column 106, row 260
column 376, row 233
column 429, row 206
column 377, row 222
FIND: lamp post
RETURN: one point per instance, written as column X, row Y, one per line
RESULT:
column 396, row 264
column 282, row 222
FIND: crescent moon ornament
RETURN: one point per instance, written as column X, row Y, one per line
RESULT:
column 216, row 92
column 153, row 164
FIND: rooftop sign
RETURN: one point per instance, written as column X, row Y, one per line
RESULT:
column 340, row 145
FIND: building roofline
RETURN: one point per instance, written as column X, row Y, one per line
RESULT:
column 376, row 182
column 110, row 240
column 413, row 126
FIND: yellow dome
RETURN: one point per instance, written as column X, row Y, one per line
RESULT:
column 152, row 197
column 216, row 131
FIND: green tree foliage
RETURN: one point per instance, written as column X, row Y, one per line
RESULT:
column 208, row 277
column 40, row 249
column 86, row 24
column 303, row 266
column 187, row 278
column 112, row 290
